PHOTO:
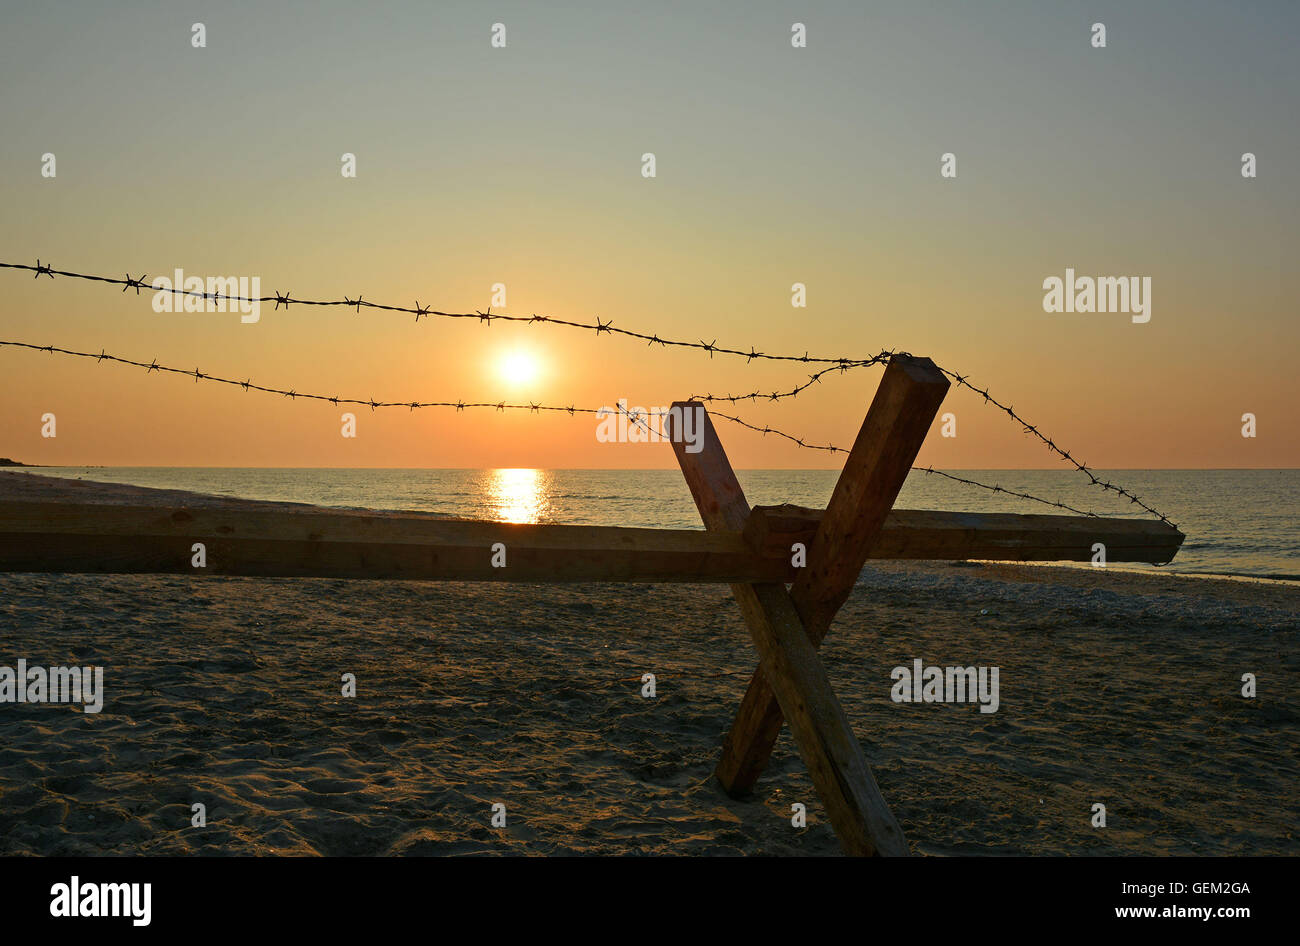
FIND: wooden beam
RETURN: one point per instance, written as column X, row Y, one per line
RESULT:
column 977, row 536
column 90, row 537
column 900, row 415
column 826, row 741
column 270, row 539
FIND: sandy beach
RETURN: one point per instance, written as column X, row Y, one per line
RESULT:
column 1116, row 688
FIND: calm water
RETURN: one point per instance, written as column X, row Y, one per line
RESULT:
column 1238, row 522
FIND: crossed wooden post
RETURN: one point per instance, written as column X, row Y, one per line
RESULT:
column 787, row 626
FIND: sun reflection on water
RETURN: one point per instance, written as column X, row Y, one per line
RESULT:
column 518, row 495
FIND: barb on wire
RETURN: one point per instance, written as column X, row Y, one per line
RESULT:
column 829, row 448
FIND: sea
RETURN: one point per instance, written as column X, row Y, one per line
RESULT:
column 1238, row 523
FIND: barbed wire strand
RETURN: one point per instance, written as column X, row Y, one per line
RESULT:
column 285, row 299
column 962, row 381
column 995, row 488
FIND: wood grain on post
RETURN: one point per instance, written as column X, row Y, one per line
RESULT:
column 935, row 535
column 259, row 539
column 822, row 732
column 900, row 415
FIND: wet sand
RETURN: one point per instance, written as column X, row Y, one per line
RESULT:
column 1115, row 688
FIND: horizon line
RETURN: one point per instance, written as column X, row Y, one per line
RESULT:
column 648, row 469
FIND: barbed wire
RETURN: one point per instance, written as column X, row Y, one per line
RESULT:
column 833, row 364
column 843, row 365
column 638, row 415
column 1000, row 489
column 293, row 394
column 995, row 488
column 1031, row 429
column 961, row 381
column 419, row 311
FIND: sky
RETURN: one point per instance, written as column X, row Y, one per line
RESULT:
column 774, row 165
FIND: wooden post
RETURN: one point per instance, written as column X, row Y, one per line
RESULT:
column 789, row 660
column 900, row 415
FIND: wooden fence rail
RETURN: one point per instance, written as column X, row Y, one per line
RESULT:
column 257, row 539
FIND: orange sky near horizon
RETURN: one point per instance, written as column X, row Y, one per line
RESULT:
column 522, row 166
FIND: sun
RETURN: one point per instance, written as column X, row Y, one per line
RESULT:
column 519, row 367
